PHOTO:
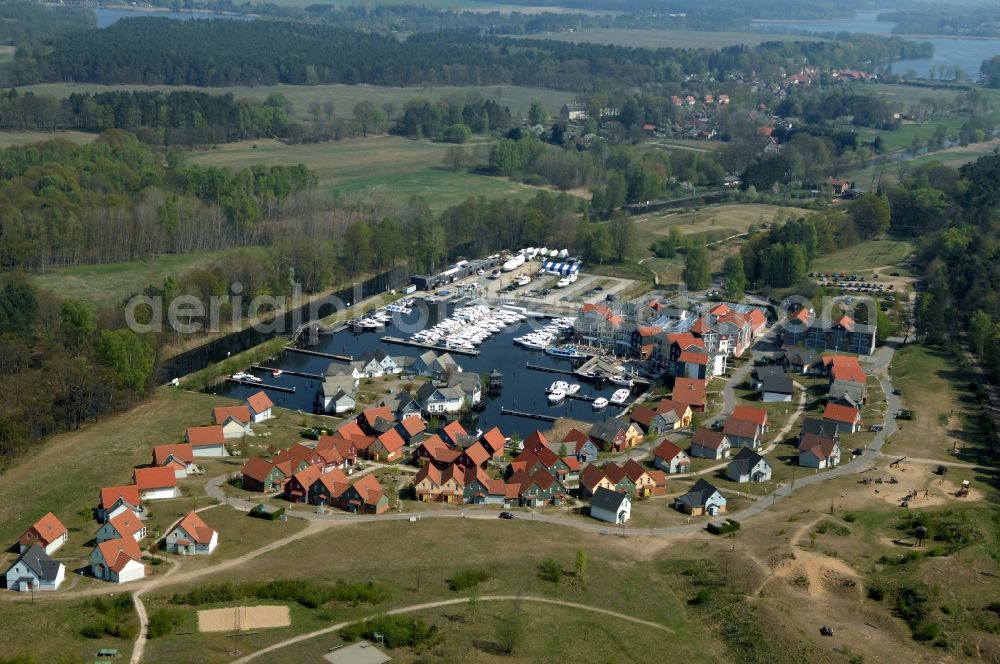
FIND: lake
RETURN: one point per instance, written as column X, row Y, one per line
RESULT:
column 524, row 389
column 967, row 54
column 107, row 16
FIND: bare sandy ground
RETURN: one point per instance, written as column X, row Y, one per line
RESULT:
column 242, row 618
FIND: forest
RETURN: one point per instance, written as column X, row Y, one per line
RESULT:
column 115, row 200
column 214, row 53
column 25, row 22
column 179, row 117
column 954, row 20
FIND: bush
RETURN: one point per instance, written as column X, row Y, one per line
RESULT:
column 163, row 621
column 467, row 578
column 259, row 512
column 302, row 591
column 849, row 518
column 550, row 571
column 876, row 593
column 703, row 596
column 396, row 631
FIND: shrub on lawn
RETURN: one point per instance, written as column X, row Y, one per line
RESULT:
column 163, row 621
column 302, row 591
column 396, row 631
column 114, row 618
column 550, row 571
column 467, row 578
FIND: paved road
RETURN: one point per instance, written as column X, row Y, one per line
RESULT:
column 450, row 602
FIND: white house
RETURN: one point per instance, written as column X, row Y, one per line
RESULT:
column 234, row 420
column 748, row 466
column 377, row 364
column 48, row 533
column 440, row 400
column 818, row 452
column 670, row 459
column 116, row 499
column 610, row 506
column 35, row 570
column 710, row 444
column 702, row 498
column 118, row 561
column 192, row 536
column 207, row 441
column 125, row 524
column 178, row 456
column 260, row 406
column 156, row 483
column 339, row 393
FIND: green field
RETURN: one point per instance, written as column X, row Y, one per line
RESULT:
column 863, row 256
column 869, row 178
column 386, row 167
column 12, row 138
column 666, row 38
column 108, row 284
column 903, row 137
column 344, row 97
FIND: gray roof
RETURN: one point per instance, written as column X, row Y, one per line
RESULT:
column 335, row 385
column 606, row 499
column 607, row 429
column 698, row 494
column 339, row 369
column 763, row 373
column 470, row 382
column 804, row 356
column 781, row 384
column 361, row 652
column 39, row 562
column 851, row 392
column 819, row 426
column 745, row 460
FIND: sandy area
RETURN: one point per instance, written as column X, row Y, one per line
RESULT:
column 243, row 618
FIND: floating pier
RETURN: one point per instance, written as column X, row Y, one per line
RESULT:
column 263, row 386
column 439, row 349
column 301, row 374
column 316, row 353
column 531, row 416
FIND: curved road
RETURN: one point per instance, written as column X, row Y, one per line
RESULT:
column 449, row 602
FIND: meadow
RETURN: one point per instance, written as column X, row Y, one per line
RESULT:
column 383, row 166
column 15, row 138
column 867, row 255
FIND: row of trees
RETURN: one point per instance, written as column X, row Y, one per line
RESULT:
column 182, row 117
column 215, row 53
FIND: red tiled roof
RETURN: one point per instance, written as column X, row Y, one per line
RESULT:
column 413, row 425
column 756, row 415
column 155, row 478
column 757, row 318
column 740, row 428
column 257, row 468
column 369, row 489
column 351, row 429
column 129, row 493
column 180, row 451
column 701, row 326
column 689, row 391
column 821, row 446
column 127, row 523
column 391, row 441
column 707, row 438
column 849, row 373
column 49, row 529
column 238, row 413
column 207, row 435
column 259, row 402
column 693, row 357
column 841, row 413
column 720, row 309
column 677, row 407
column 642, row 415
column 666, row 450
column 477, row 453
column 118, row 552
column 847, row 323
column 455, row 431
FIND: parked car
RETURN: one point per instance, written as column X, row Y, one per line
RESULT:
column 506, row 515
column 897, row 392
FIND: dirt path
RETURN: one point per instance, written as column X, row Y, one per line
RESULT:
column 451, row 602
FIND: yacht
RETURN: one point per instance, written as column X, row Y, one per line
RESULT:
column 556, row 396
column 244, row 376
column 565, row 352
column 621, row 379
column 523, row 280
column 276, row 373
column 600, row 403
column 573, row 388
column 620, row 397
column 559, row 386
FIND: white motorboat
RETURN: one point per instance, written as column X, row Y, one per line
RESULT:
column 559, row 386
column 573, row 388
column 620, row 379
column 523, row 280
column 556, row 396
column 599, row 403
column 562, row 283
column 620, row 397
column 276, row 373
column 247, row 377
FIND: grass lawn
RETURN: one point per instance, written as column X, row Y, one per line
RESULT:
column 344, row 97
column 383, row 166
column 721, row 220
column 109, row 284
column 666, row 38
column 903, row 137
column 938, row 390
column 868, row 178
column 864, row 256
column 12, row 138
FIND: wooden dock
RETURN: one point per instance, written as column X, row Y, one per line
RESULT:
column 300, row 374
column 263, row 386
column 316, row 353
column 531, row 416
column 536, row 367
column 438, row 349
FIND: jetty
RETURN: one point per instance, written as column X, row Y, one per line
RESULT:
column 288, row 372
column 316, row 353
column 263, row 386
column 439, row 349
column 532, row 416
